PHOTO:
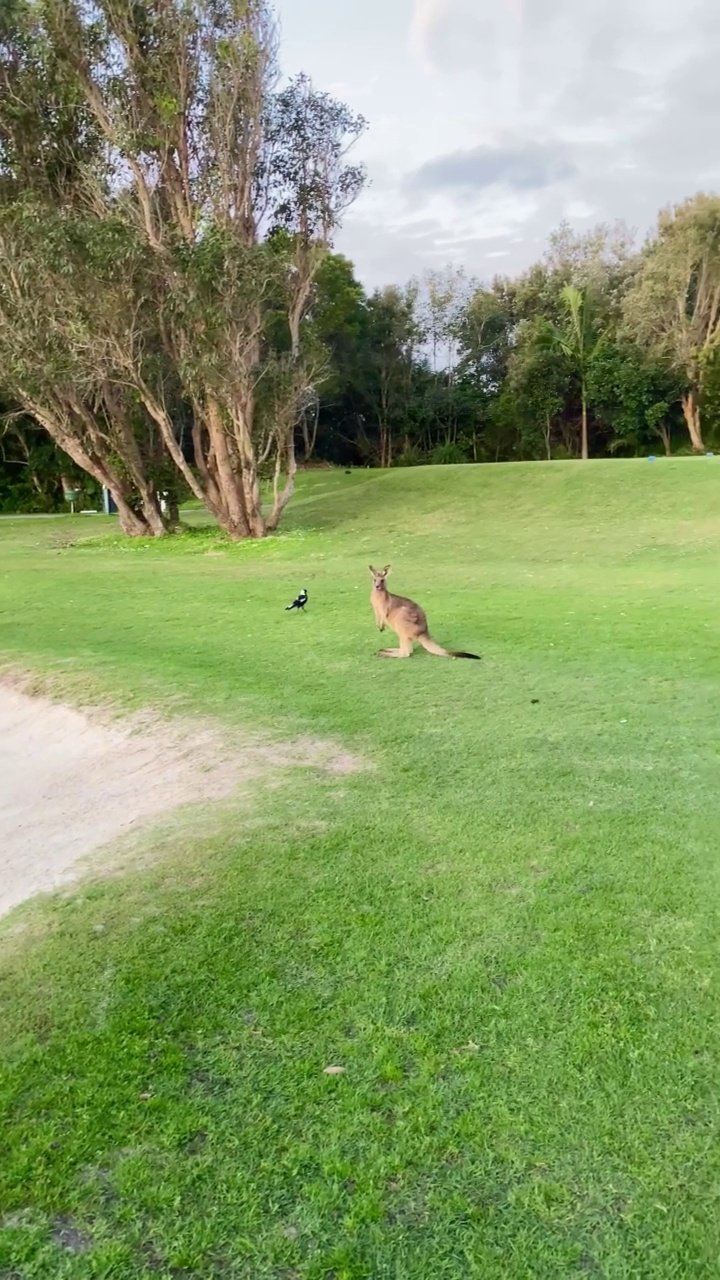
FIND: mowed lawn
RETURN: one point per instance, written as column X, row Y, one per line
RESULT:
column 506, row 928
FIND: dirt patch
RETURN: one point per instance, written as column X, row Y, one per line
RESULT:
column 73, row 782
column 67, row 1236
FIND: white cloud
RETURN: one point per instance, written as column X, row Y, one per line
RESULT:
column 625, row 93
column 426, row 15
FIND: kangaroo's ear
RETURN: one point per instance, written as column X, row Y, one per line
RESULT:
column 373, row 571
column 386, row 570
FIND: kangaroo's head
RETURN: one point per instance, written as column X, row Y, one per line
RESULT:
column 379, row 576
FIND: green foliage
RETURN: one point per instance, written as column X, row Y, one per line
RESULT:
column 31, row 467
column 673, row 307
column 711, row 401
column 510, row 370
column 540, row 380
column 536, row 365
column 636, row 399
column 447, row 454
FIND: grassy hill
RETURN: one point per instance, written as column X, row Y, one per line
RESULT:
column 504, row 929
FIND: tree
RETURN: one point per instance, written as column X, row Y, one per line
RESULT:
column 338, row 318
column 539, row 374
column 387, row 371
column 486, row 332
column 599, row 260
column 673, row 308
column 67, row 291
column 49, row 141
column 579, row 340
column 222, row 196
column 710, row 406
column 485, row 336
column 636, row 396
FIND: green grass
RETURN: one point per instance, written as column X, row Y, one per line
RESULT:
column 506, row 931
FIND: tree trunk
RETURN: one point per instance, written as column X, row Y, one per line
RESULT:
column 664, row 435
column 548, row 436
column 309, row 429
column 172, row 511
column 584, row 437
column 691, row 414
column 383, row 444
column 151, row 511
column 137, row 466
column 230, row 514
column 242, row 416
column 281, row 498
column 307, row 445
column 131, row 523
column 253, row 501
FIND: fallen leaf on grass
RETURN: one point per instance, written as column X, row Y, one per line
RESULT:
column 333, row 1071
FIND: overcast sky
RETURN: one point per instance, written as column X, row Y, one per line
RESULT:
column 492, row 120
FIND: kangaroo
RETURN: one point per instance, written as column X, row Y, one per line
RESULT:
column 406, row 619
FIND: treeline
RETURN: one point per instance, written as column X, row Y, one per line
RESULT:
column 600, row 349
column 174, row 321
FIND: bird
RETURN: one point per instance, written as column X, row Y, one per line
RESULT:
column 299, row 602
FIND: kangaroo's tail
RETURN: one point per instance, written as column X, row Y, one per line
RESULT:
column 437, row 649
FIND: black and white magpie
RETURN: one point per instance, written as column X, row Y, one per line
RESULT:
column 299, row 602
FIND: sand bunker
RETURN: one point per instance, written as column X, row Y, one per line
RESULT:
column 72, row 782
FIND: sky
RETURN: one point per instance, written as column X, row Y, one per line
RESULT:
column 491, row 121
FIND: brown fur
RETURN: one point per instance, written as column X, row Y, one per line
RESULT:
column 406, row 619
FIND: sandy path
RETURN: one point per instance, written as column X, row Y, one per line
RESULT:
column 70, row 784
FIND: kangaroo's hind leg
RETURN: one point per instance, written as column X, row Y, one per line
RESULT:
column 405, row 650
